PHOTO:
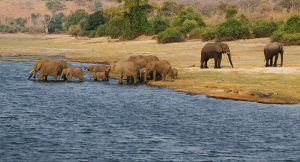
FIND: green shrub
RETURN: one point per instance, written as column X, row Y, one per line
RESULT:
column 75, row 18
column 286, row 38
column 188, row 25
column 114, row 27
column 196, row 33
column 92, row 34
column 93, row 21
column 264, row 29
column 101, row 31
column 293, row 24
column 188, row 14
column 74, row 30
column 231, row 12
column 232, row 29
column 7, row 29
column 170, row 35
column 56, row 23
column 159, row 24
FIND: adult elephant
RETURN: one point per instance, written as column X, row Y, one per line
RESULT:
column 159, row 68
column 69, row 73
column 124, row 69
column 272, row 50
column 141, row 61
column 45, row 62
column 215, row 51
column 97, row 68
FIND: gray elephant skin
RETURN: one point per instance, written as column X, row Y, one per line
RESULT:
column 271, row 51
column 215, row 51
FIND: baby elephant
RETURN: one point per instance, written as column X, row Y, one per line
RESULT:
column 101, row 75
column 174, row 73
column 72, row 72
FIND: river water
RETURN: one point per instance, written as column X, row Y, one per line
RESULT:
column 104, row 121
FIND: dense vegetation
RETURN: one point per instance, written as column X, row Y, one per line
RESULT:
column 169, row 22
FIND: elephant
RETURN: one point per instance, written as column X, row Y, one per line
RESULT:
column 272, row 50
column 101, row 75
column 98, row 68
column 159, row 68
column 143, row 74
column 141, row 61
column 174, row 73
column 48, row 67
column 72, row 72
column 125, row 68
column 215, row 51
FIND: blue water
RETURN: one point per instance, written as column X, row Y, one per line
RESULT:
column 104, row 121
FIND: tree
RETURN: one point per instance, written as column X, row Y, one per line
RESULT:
column 93, row 21
column 75, row 18
column 55, row 24
column 55, row 5
column 290, row 4
column 231, row 13
column 46, row 21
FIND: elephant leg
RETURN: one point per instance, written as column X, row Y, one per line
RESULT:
column 45, row 77
column 267, row 62
column 275, row 62
column 70, row 77
column 154, row 75
column 55, row 77
column 271, row 61
column 120, row 78
column 135, row 79
column 205, row 66
column 81, row 78
column 202, row 63
column 216, row 62
column 219, row 61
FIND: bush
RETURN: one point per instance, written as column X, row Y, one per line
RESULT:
column 293, row 24
column 231, row 13
column 159, row 24
column 196, row 33
column 264, row 29
column 170, row 35
column 74, row 30
column 92, row 34
column 56, row 23
column 188, row 14
column 7, row 29
column 188, row 25
column 93, row 21
column 286, row 38
column 101, row 31
column 232, row 29
column 75, row 18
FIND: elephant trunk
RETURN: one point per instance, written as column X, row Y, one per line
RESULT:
column 30, row 74
column 229, row 57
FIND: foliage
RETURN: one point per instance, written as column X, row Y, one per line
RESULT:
column 170, row 8
column 74, row 30
column 206, row 33
column 232, row 29
column 101, row 31
column 170, row 35
column 289, row 33
column 7, row 29
column 93, row 21
column 293, row 24
column 75, row 18
column 56, row 23
column 264, row 29
column 231, row 12
column 159, row 24
column 189, row 14
column 188, row 25
column 55, row 5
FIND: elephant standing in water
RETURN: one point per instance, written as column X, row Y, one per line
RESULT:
column 72, row 72
column 272, row 50
column 215, row 51
column 48, row 68
column 125, row 68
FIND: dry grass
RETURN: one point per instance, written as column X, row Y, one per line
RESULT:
column 249, row 80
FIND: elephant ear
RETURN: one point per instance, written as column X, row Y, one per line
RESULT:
column 218, row 48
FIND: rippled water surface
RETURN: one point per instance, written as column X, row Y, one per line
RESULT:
column 103, row 121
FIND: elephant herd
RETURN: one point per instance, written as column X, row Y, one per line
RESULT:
column 215, row 51
column 141, row 68
column 137, row 69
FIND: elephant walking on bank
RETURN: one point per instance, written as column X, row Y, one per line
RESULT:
column 215, row 51
column 272, row 50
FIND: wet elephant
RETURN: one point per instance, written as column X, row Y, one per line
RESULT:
column 69, row 73
column 125, row 69
column 46, row 65
column 215, row 51
column 272, row 50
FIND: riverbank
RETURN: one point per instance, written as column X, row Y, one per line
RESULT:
column 248, row 81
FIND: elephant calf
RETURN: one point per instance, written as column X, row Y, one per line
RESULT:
column 72, row 72
column 174, row 73
column 101, row 75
